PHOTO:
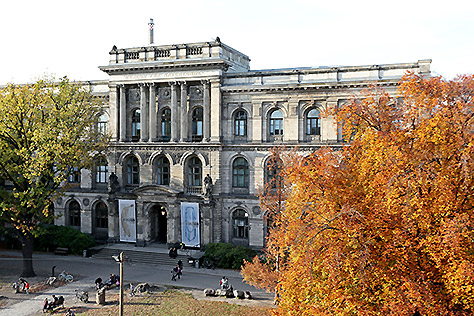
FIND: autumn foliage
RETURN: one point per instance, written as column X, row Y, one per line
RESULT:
column 385, row 225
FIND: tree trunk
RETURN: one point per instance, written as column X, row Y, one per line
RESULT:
column 27, row 250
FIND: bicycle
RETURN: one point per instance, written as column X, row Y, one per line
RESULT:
column 65, row 276
column 82, row 296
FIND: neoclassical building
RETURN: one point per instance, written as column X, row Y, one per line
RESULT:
column 191, row 128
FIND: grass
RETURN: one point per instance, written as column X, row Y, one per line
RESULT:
column 175, row 303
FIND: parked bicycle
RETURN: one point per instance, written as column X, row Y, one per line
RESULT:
column 82, row 296
column 65, row 276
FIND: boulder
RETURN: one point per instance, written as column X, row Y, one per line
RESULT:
column 247, row 295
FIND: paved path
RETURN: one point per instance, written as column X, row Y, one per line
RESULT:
column 86, row 270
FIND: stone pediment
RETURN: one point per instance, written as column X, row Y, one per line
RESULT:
column 154, row 189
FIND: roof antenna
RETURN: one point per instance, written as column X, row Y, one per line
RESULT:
column 151, row 25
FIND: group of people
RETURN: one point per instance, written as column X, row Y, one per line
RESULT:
column 55, row 302
column 177, row 271
column 224, row 283
column 113, row 280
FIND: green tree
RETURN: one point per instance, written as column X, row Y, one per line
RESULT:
column 46, row 129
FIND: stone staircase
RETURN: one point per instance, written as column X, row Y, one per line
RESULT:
column 137, row 256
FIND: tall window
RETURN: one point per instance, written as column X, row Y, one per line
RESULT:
column 240, row 222
column 133, row 171
column 272, row 172
column 197, row 124
column 101, row 216
column 136, row 124
column 195, row 172
column 101, row 170
column 240, row 123
column 313, row 122
column 166, row 124
column 75, row 175
column 276, row 123
column 162, row 171
column 74, row 214
column 240, row 171
column 102, row 124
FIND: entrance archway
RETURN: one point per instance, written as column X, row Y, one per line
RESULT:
column 158, row 221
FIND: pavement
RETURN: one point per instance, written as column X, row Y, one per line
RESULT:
column 86, row 270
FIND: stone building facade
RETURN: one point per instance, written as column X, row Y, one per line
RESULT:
column 178, row 113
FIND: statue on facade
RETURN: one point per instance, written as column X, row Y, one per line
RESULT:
column 207, row 188
column 114, row 185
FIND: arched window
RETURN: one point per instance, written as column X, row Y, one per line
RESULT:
column 240, row 123
column 102, row 124
column 240, row 223
column 276, row 123
column 136, row 124
column 313, row 122
column 101, row 170
column 101, row 215
column 240, row 172
column 195, row 172
column 197, row 124
column 74, row 214
column 162, row 171
column 272, row 172
column 166, row 124
column 133, row 171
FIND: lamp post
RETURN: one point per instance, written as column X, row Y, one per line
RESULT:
column 120, row 259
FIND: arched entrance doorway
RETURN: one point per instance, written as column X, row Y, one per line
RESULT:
column 158, row 229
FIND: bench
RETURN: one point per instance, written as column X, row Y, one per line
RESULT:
column 61, row 251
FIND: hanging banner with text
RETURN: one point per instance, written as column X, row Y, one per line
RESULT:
column 190, row 224
column 127, row 220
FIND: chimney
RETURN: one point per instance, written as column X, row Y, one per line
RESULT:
column 151, row 25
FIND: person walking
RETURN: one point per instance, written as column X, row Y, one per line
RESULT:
column 27, row 288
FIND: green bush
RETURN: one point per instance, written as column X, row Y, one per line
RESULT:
column 227, row 256
column 52, row 237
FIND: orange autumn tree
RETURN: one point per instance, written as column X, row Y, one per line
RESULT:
column 384, row 226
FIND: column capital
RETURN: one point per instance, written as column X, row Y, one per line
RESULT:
column 182, row 83
column 142, row 84
column 205, row 82
column 172, row 83
column 150, row 84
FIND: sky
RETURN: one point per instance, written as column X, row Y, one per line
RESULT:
column 73, row 38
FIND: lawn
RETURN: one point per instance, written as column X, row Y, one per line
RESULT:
column 175, row 303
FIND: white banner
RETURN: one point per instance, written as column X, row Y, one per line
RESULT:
column 127, row 221
column 190, row 224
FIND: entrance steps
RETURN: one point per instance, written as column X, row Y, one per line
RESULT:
column 142, row 255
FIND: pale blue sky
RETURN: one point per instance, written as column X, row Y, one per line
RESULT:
column 73, row 38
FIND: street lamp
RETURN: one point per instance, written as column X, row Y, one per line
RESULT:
column 120, row 259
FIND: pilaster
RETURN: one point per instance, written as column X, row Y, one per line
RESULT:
column 216, row 112
column 174, row 112
column 152, row 112
column 143, row 114
column 206, row 108
column 184, row 112
column 123, row 115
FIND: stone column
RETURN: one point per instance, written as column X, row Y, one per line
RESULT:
column 215, row 111
column 207, row 104
column 123, row 115
column 184, row 112
column 152, row 113
column 113, row 124
column 143, row 114
column 174, row 113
